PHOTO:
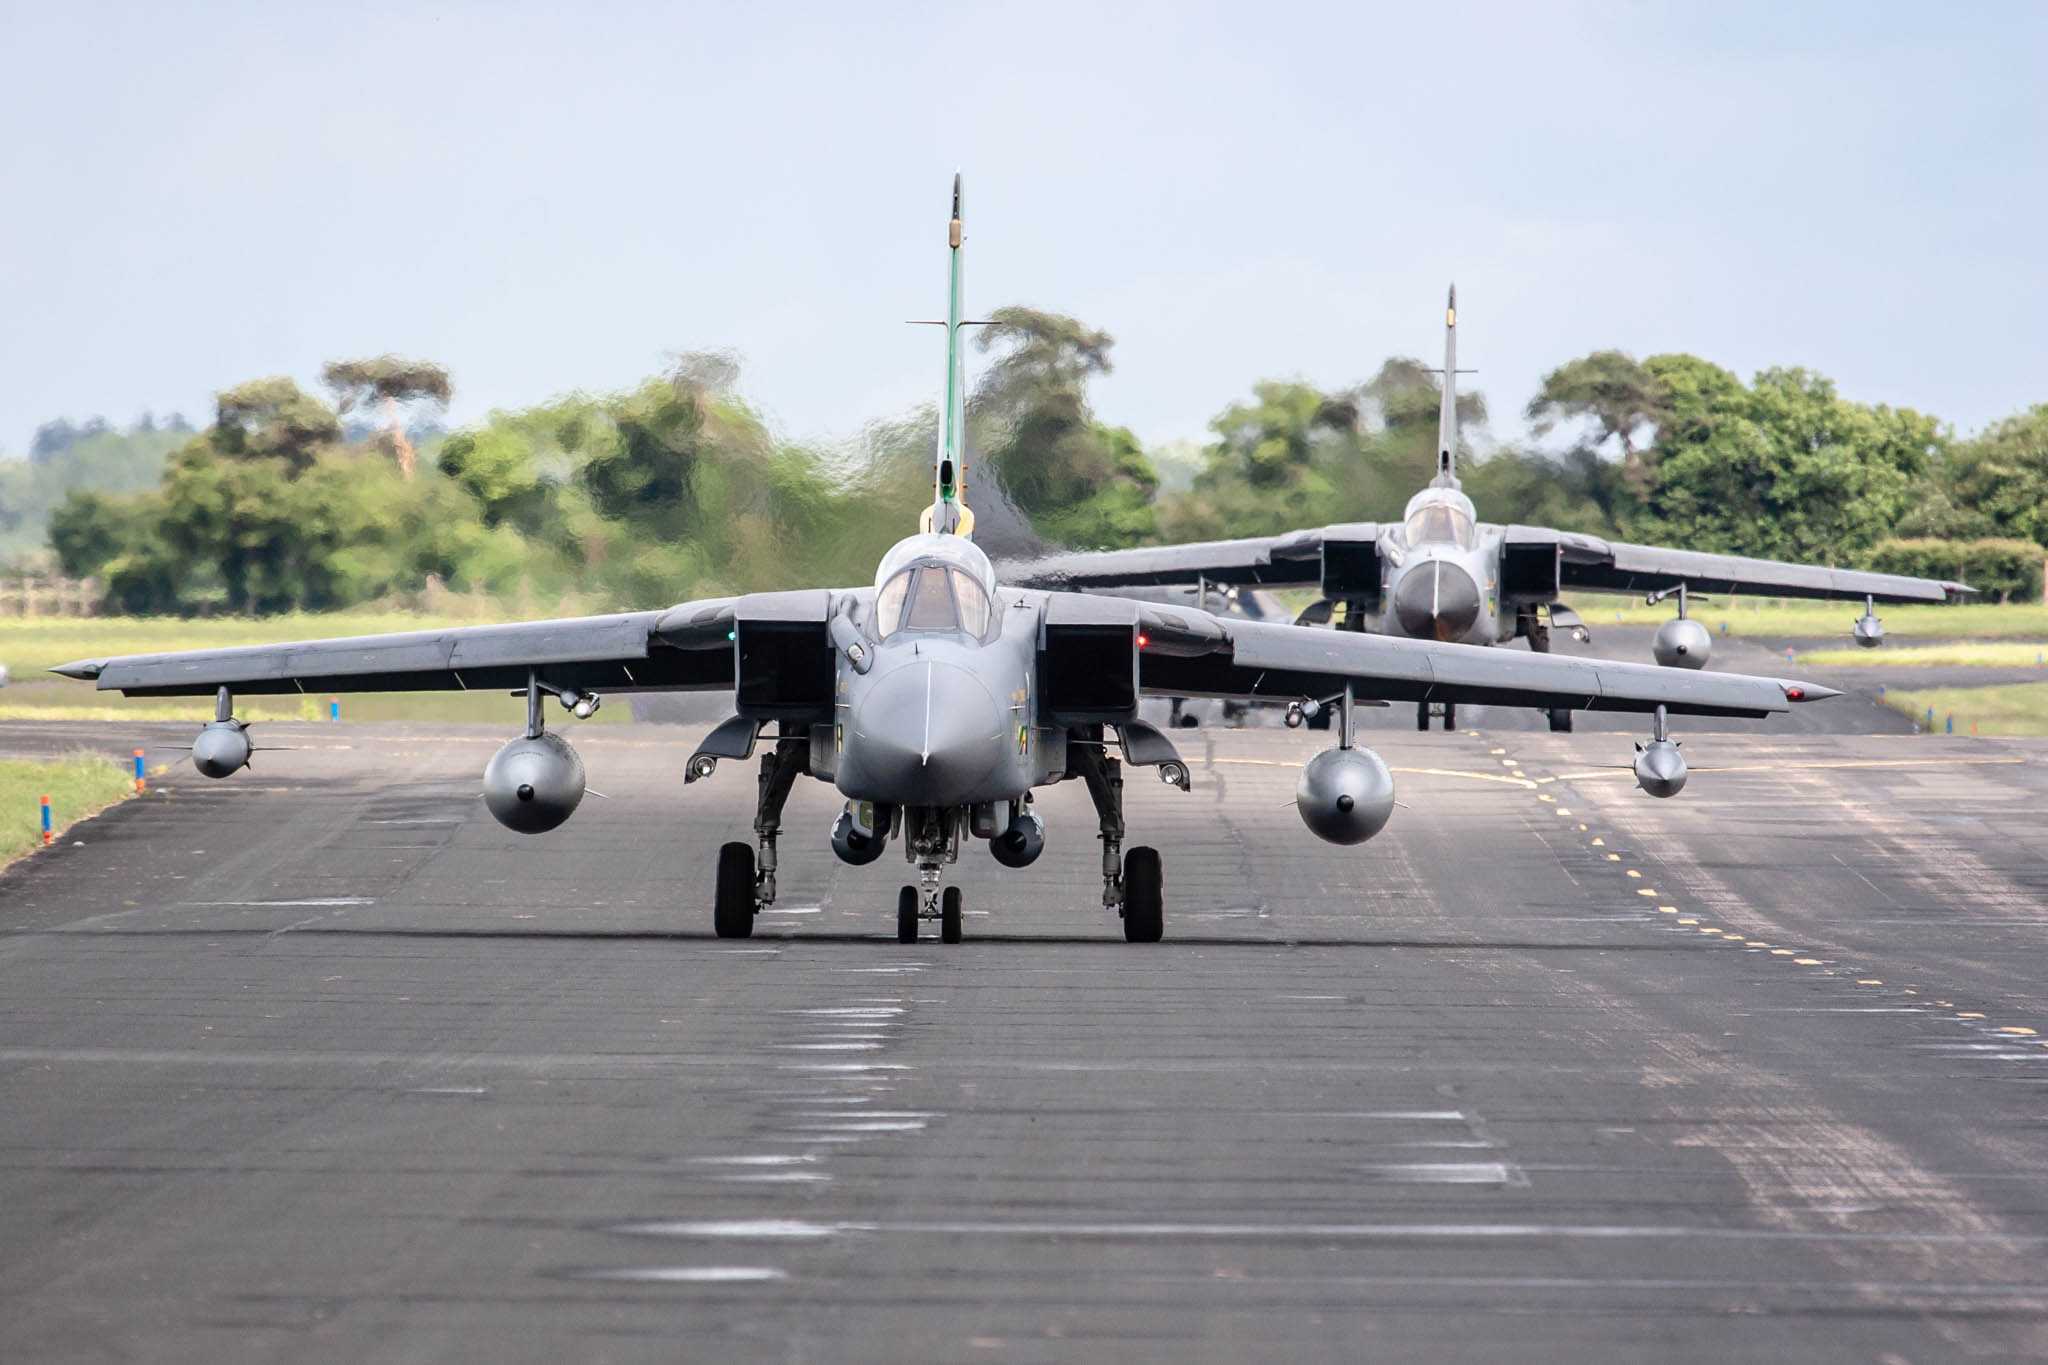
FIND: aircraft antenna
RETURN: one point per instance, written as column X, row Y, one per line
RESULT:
column 949, row 513
column 1447, row 415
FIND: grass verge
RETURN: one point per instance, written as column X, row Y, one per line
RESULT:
column 1979, row 654
column 78, row 786
column 2011, row 709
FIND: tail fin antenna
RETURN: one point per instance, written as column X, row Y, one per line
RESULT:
column 949, row 513
column 1447, row 415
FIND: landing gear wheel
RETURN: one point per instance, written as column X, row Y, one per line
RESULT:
column 1560, row 720
column 1422, row 715
column 949, row 915
column 1450, row 715
column 1144, row 897
column 906, row 915
column 732, row 912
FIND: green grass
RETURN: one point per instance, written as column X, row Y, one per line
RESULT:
column 29, row 648
column 2011, row 709
column 1763, row 616
column 78, row 786
column 1983, row 654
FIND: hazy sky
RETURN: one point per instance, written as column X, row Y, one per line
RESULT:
column 547, row 197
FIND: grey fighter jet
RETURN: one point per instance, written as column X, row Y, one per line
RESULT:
column 936, row 701
column 1442, row 574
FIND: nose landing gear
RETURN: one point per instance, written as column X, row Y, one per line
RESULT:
column 933, row 841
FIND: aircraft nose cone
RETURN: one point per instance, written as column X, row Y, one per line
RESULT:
column 925, row 735
column 1436, row 600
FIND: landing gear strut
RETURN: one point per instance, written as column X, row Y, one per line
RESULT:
column 746, row 884
column 1132, row 884
column 1538, row 631
column 931, row 840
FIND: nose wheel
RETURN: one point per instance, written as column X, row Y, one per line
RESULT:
column 912, row 906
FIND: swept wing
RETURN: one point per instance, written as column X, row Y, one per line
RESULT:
column 1186, row 653
column 684, row 647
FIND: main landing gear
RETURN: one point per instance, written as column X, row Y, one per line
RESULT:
column 1132, row 883
column 746, row 884
column 1448, row 708
column 1538, row 631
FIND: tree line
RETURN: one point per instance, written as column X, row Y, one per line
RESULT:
column 679, row 487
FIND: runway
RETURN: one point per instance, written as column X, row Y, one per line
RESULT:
column 319, row 1063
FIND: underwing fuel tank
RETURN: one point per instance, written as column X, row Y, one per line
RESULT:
column 222, row 748
column 534, row 783
column 1345, row 796
column 1682, row 643
column 1660, row 768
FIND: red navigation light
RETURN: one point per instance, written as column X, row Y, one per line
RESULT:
column 1795, row 694
column 1144, row 640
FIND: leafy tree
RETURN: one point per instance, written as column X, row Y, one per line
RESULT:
column 1995, row 484
column 272, row 418
column 1785, row 468
column 91, row 455
column 1620, row 399
column 395, row 385
column 1079, row 482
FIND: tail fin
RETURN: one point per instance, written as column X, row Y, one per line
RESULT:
column 1447, row 415
column 949, row 513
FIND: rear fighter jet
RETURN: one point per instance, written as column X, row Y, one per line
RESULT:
column 1441, row 574
column 935, row 701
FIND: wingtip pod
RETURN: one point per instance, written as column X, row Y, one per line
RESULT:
column 82, row 668
column 1806, row 691
column 953, row 232
column 1451, row 307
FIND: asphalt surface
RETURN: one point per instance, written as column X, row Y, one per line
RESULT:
column 320, row 1064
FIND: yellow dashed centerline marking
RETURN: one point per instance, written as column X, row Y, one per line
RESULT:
column 1868, row 981
column 1968, row 1014
column 1633, row 873
column 2016, row 1029
column 1644, row 891
column 1806, row 961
